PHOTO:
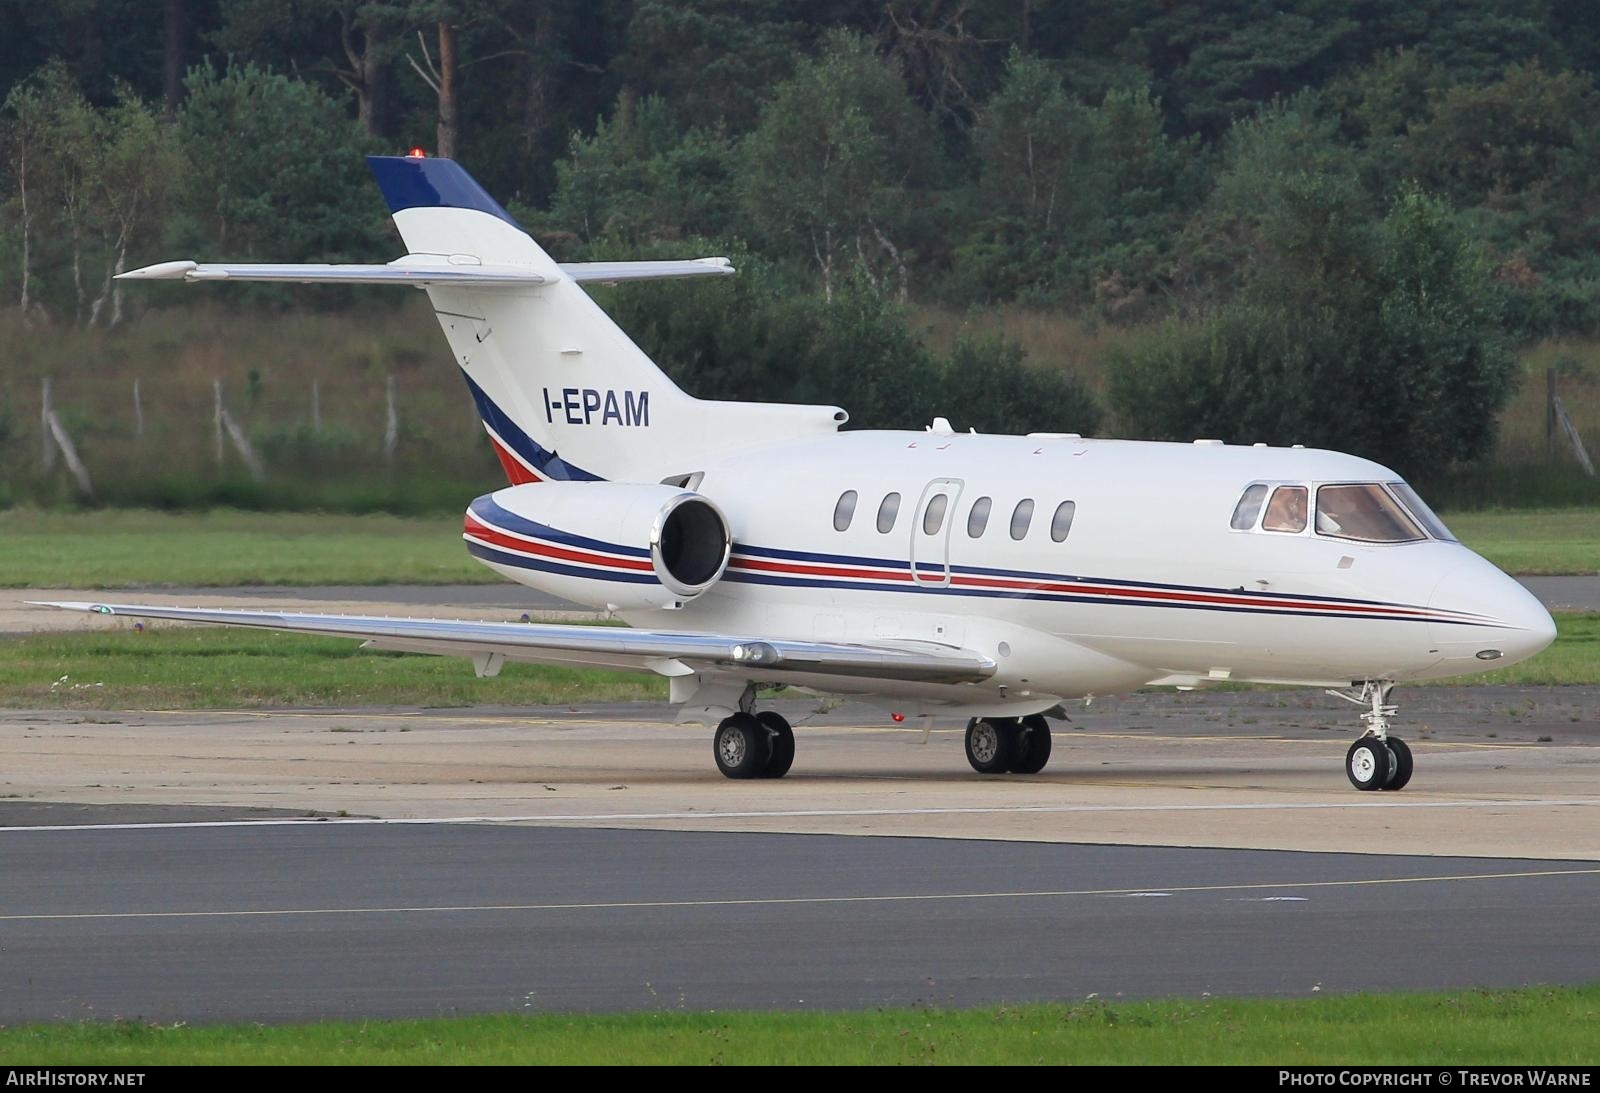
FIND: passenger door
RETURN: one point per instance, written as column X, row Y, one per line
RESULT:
column 930, row 532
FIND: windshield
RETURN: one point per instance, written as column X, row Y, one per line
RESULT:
column 1364, row 512
column 1419, row 508
column 1248, row 508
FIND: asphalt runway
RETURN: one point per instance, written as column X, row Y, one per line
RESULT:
column 274, row 923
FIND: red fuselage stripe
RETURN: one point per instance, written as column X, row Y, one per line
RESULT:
column 519, row 544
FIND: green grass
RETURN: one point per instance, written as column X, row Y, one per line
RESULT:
column 117, row 548
column 1546, row 1026
column 218, row 668
column 1574, row 658
column 1533, row 540
column 206, row 668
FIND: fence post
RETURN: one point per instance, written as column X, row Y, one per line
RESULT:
column 70, row 454
column 47, row 448
column 316, row 408
column 216, row 416
column 138, row 411
column 391, row 427
column 54, row 438
column 1550, row 415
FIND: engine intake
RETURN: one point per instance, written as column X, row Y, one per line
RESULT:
column 615, row 545
column 689, row 544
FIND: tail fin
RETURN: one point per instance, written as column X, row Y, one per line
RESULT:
column 563, row 392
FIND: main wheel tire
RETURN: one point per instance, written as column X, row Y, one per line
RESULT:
column 1033, row 746
column 1369, row 763
column 782, row 736
column 742, row 746
column 1402, row 764
column 991, row 744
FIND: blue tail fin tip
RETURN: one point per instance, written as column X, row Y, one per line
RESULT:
column 412, row 182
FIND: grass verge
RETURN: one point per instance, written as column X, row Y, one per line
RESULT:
column 119, row 548
column 206, row 668
column 1533, row 541
column 1574, row 658
column 1545, row 1026
column 218, row 668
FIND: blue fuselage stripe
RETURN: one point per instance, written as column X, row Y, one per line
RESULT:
column 519, row 561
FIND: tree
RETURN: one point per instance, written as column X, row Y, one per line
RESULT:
column 640, row 179
column 711, row 62
column 1076, row 200
column 137, row 176
column 275, row 168
column 1284, row 202
column 755, row 338
column 355, row 41
column 1494, row 143
column 840, row 165
column 1393, row 351
column 58, row 138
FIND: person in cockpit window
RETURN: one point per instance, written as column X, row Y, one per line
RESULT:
column 1287, row 510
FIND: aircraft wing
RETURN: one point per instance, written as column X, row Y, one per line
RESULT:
column 664, row 652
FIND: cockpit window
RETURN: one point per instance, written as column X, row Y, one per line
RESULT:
column 1364, row 512
column 1248, row 508
column 1286, row 511
column 1419, row 509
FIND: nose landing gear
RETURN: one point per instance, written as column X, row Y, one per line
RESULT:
column 1378, row 760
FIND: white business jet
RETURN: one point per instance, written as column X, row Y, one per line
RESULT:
column 752, row 546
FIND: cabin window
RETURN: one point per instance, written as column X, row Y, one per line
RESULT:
column 844, row 511
column 1061, row 522
column 1021, row 517
column 1286, row 511
column 933, row 519
column 1364, row 512
column 978, row 518
column 887, row 512
column 1248, row 508
column 1419, row 509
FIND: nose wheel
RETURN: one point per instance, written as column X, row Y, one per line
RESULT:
column 1378, row 760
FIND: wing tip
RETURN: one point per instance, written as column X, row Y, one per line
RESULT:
column 161, row 271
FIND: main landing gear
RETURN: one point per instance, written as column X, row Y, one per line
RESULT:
column 998, row 745
column 1378, row 760
column 754, row 745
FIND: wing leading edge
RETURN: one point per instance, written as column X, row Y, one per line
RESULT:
column 664, row 652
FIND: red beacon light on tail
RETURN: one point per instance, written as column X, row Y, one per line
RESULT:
column 416, row 153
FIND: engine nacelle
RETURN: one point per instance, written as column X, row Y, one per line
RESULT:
column 604, row 544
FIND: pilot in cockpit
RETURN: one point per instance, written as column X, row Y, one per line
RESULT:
column 1287, row 511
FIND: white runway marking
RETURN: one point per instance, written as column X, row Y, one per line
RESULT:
column 787, row 901
column 814, row 813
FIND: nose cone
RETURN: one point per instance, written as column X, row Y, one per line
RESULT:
column 1485, row 619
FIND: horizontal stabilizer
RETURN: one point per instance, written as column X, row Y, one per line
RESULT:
column 427, row 270
column 406, row 271
column 612, row 272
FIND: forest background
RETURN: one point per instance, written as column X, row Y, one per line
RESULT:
column 1370, row 226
